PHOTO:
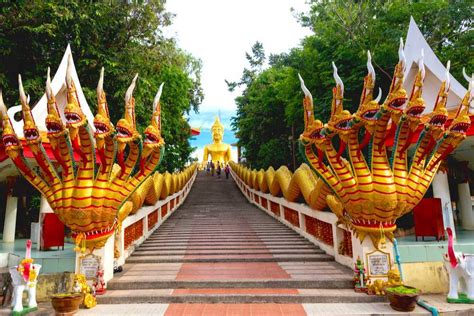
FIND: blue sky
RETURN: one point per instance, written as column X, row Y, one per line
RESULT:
column 219, row 33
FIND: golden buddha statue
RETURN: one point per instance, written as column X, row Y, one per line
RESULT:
column 219, row 151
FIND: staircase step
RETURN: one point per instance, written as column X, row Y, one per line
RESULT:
column 162, row 247
column 340, row 282
column 154, row 252
column 235, row 296
column 137, row 258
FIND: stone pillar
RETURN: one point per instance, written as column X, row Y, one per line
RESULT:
column 465, row 206
column 9, row 226
column 441, row 190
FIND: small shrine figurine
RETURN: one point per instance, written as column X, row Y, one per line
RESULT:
column 24, row 277
column 80, row 286
column 360, row 278
column 99, row 283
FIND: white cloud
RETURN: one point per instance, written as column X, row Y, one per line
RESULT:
column 220, row 32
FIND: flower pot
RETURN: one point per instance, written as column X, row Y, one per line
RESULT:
column 402, row 302
column 66, row 303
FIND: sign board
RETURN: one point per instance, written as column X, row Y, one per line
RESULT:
column 378, row 263
column 89, row 266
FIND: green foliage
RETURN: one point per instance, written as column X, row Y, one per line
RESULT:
column 126, row 38
column 271, row 103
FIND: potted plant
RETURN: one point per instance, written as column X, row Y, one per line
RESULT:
column 402, row 298
column 66, row 302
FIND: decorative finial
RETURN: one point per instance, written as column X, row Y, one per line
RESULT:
column 49, row 90
column 370, row 67
column 23, row 98
column 421, row 64
column 305, row 90
column 379, row 96
column 129, row 93
column 156, row 101
column 69, row 71
column 468, row 79
column 337, row 78
column 100, row 85
column 401, row 54
column 3, row 107
column 448, row 77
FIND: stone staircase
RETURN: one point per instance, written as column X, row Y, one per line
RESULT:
column 218, row 248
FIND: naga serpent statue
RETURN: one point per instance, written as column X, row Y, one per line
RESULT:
column 370, row 185
column 91, row 196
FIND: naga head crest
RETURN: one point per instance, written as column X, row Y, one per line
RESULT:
column 54, row 124
column 153, row 139
column 368, row 107
column 75, row 118
column 313, row 128
column 9, row 138
column 416, row 104
column 439, row 116
column 126, row 127
column 397, row 95
column 30, row 131
column 307, row 104
column 462, row 121
column 340, row 120
column 103, row 125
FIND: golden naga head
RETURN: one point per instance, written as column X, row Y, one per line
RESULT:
column 397, row 95
column 462, row 121
column 416, row 104
column 312, row 133
column 368, row 107
column 75, row 118
column 340, row 120
column 439, row 116
column 9, row 138
column 126, row 127
column 54, row 124
column 30, row 131
column 153, row 139
column 103, row 126
column 217, row 130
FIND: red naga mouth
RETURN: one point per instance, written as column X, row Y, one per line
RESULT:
column 438, row 120
column 416, row 111
column 460, row 127
column 10, row 140
column 123, row 132
column 317, row 134
column 370, row 115
column 397, row 103
column 31, row 134
column 101, row 128
column 72, row 118
column 150, row 138
column 344, row 125
column 53, row 127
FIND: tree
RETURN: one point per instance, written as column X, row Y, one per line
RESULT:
column 125, row 38
column 343, row 31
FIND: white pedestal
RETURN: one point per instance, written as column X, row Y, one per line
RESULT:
column 441, row 190
column 465, row 206
column 106, row 255
column 366, row 248
column 10, row 219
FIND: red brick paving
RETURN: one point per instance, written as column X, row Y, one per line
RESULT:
column 235, row 309
column 231, row 270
